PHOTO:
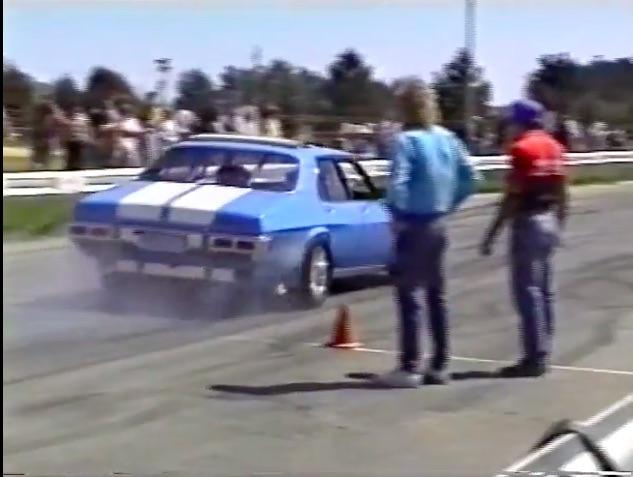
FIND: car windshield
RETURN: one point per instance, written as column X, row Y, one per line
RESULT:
column 230, row 167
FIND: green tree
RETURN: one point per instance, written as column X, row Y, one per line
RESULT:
column 349, row 86
column 556, row 81
column 17, row 94
column 66, row 94
column 105, row 84
column 194, row 91
column 601, row 89
column 450, row 84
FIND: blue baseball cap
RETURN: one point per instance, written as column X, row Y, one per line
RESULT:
column 526, row 113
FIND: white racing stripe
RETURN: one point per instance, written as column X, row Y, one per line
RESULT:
column 147, row 203
column 200, row 206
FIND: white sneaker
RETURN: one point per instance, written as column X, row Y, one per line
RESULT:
column 398, row 379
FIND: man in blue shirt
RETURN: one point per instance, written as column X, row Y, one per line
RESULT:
column 431, row 176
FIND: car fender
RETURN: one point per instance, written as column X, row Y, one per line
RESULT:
column 316, row 234
column 291, row 249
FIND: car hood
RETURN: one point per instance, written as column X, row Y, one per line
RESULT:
column 191, row 207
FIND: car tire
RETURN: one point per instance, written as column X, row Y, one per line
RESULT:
column 315, row 278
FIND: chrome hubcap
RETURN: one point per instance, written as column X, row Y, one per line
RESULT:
column 319, row 272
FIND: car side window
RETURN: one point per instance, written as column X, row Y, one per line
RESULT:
column 331, row 185
column 355, row 184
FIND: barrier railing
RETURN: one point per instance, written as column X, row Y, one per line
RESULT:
column 41, row 183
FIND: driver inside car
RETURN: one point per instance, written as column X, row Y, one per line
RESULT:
column 233, row 175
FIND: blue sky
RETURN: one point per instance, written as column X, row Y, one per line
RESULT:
column 400, row 38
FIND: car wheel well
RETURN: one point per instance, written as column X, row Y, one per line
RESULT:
column 324, row 240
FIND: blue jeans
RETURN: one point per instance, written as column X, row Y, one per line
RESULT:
column 533, row 240
column 419, row 256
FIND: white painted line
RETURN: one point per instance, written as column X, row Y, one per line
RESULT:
column 619, row 445
column 496, row 361
column 526, row 461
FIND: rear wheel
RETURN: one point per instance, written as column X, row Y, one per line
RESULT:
column 315, row 279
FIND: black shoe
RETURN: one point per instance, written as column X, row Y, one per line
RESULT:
column 524, row 369
column 434, row 378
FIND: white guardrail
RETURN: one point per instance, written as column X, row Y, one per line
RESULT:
column 27, row 184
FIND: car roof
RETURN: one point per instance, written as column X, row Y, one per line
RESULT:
column 260, row 144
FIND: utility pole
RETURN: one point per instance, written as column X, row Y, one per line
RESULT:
column 470, row 45
column 257, row 56
column 163, row 68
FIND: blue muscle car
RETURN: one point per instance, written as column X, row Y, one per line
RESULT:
column 272, row 216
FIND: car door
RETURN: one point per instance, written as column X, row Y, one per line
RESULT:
column 345, row 217
column 376, row 231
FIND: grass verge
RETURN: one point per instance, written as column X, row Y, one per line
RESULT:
column 32, row 217
column 18, row 160
column 24, row 217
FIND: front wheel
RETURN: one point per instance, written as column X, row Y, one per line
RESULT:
column 315, row 279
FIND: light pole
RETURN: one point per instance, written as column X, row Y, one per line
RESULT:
column 470, row 40
column 163, row 68
column 257, row 56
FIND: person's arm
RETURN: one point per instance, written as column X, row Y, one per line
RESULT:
column 509, row 201
column 562, row 192
column 398, row 183
column 505, row 210
column 467, row 175
column 562, row 204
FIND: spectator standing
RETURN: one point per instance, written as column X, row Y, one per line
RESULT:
column 185, row 121
column 76, row 135
column 270, row 123
column 43, row 134
column 167, row 129
column 7, row 128
column 246, row 121
column 535, row 206
column 131, row 131
column 431, row 176
column 103, row 137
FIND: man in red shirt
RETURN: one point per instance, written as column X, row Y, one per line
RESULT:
column 535, row 203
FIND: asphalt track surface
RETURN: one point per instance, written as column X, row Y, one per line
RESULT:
column 87, row 391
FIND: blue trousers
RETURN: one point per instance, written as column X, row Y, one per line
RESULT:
column 418, row 265
column 533, row 240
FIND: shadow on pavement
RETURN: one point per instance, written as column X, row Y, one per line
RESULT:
column 291, row 388
column 457, row 376
column 357, row 380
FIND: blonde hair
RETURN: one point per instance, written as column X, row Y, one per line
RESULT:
column 418, row 104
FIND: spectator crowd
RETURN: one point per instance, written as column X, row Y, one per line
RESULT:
column 121, row 135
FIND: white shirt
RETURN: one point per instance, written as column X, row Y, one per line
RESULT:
column 184, row 120
column 169, row 131
column 131, row 145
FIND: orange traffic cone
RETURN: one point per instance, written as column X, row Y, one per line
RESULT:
column 344, row 335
